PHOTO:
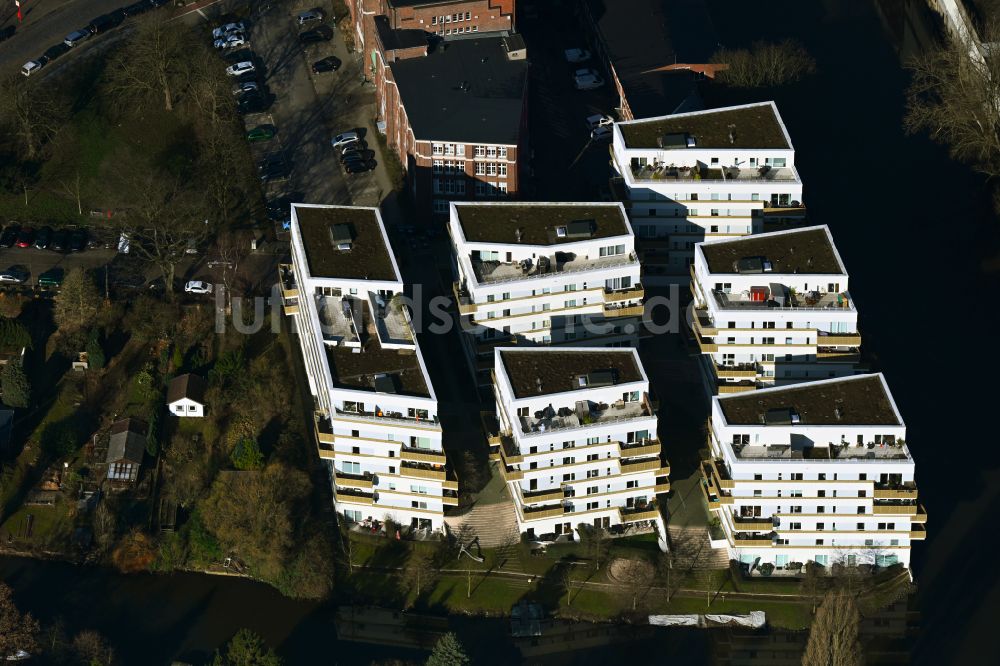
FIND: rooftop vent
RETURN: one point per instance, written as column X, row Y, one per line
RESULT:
column 342, row 236
column 732, row 134
column 581, row 228
column 385, row 383
column 749, row 265
column 601, row 378
column 538, row 384
column 561, row 232
column 517, row 235
column 675, row 141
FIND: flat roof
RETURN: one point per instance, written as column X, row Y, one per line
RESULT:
column 465, row 91
column 860, row 400
column 537, row 222
column 559, row 370
column 354, row 369
column 750, row 126
column 642, row 36
column 370, row 257
column 398, row 38
column 804, row 251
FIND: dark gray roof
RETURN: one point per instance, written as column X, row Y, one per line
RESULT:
column 186, row 386
column 369, row 257
column 464, row 90
column 128, row 441
column 642, row 35
column 805, row 251
column 537, row 222
column 860, row 400
column 399, row 38
column 541, row 372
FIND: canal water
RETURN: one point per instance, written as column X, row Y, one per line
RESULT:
column 922, row 244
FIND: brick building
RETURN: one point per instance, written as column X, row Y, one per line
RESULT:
column 439, row 17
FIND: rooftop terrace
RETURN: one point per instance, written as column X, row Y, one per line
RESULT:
column 536, row 373
column 671, row 172
column 488, row 272
column 806, row 251
column 854, row 401
column 538, row 224
column 896, row 451
column 369, row 256
column 754, row 126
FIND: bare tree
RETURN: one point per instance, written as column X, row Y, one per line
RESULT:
column 595, row 541
column 419, row 570
column 30, row 112
column 634, row 576
column 507, row 549
column 833, row 636
column 955, row 98
column 18, row 631
column 764, row 64
column 155, row 62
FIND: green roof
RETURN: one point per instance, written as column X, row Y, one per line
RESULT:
column 369, row 257
column 534, row 373
column 854, row 401
column 807, row 252
column 499, row 223
column 754, row 126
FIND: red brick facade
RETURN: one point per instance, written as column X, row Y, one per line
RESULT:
column 441, row 17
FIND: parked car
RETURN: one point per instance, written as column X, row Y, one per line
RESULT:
column 75, row 37
column 245, row 87
column 330, row 64
column 233, row 41
column 229, row 28
column 43, row 237
column 52, row 278
column 260, row 133
column 323, row 33
column 587, row 79
column 77, row 240
column 26, row 238
column 599, row 120
column 274, row 171
column 60, row 239
column 363, row 155
column 253, row 103
column 345, row 138
column 358, row 166
column 353, row 147
column 198, row 287
column 310, row 16
column 7, row 33
column 9, row 235
column 15, row 274
column 279, row 210
column 105, row 22
column 140, row 7
column 603, row 133
column 577, row 55
column 54, row 52
column 241, row 68
column 31, row 67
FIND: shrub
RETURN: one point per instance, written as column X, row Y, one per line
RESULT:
column 95, row 353
column 764, row 64
column 247, row 455
column 13, row 335
column 14, row 385
column 766, row 569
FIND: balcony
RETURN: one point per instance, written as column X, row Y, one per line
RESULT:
column 344, row 479
column 381, row 417
column 292, row 309
column 710, row 488
column 828, row 355
column 323, row 429
column 449, row 499
column 495, row 272
column 920, row 516
column 896, row 492
column 754, row 524
column 660, row 488
column 706, row 346
column 785, row 301
column 639, row 449
column 701, row 323
column 542, row 496
column 286, row 282
column 509, row 453
column 635, row 293
column 895, row 509
column 412, row 454
column 634, row 514
column 585, row 413
column 741, row 371
column 736, row 387
column 721, row 475
column 918, row 533
column 641, row 466
column 533, row 513
column 657, row 172
column 745, row 540
column 623, row 311
column 352, row 496
column 830, row 452
column 848, row 340
column 509, row 475
column 421, row 471
column 462, row 299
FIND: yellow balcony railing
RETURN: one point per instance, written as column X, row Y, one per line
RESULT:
column 895, row 509
column 918, row 533
column 633, row 294
column 735, row 388
column 920, row 516
column 408, row 470
column 641, row 466
column 632, row 515
column 292, row 309
column 661, row 488
column 753, row 524
column 420, row 455
column 540, row 497
column 839, row 340
column 538, row 514
column 651, row 449
column 706, row 346
column 631, row 311
column 734, row 373
column 752, row 541
column 464, row 303
column 348, row 481
column 895, row 493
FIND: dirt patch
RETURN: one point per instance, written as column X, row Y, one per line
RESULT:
column 622, row 570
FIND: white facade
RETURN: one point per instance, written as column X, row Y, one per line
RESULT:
column 187, row 407
column 533, row 283
column 585, row 455
column 773, row 320
column 719, row 174
column 810, row 483
column 376, row 419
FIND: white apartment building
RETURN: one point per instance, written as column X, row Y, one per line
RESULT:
column 544, row 273
column 816, row 472
column 773, row 309
column 706, row 175
column 376, row 420
column 578, row 440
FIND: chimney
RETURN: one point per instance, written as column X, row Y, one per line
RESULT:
column 732, row 134
column 517, row 235
column 538, row 384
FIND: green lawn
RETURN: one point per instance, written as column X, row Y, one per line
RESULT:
column 51, row 524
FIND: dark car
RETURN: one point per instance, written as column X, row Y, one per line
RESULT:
column 77, row 240
column 54, row 52
column 7, row 33
column 43, row 237
column 253, row 103
column 355, row 155
column 355, row 147
column 140, row 7
column 26, row 238
column 279, row 210
column 100, row 24
column 60, row 239
column 359, row 166
column 273, row 169
column 324, row 33
column 9, row 235
column 331, row 64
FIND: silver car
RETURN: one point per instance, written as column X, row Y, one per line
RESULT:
column 75, row 37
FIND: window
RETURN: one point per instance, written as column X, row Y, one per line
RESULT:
column 440, row 205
